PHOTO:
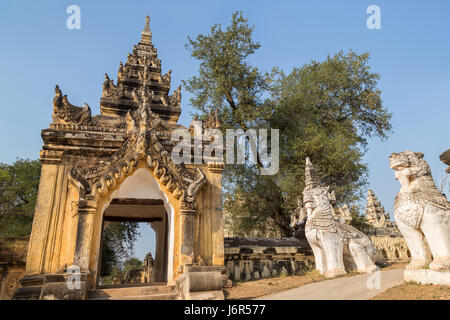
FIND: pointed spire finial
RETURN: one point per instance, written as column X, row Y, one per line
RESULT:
column 311, row 178
column 146, row 34
column 147, row 23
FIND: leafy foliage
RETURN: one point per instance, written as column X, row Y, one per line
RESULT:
column 19, row 184
column 132, row 263
column 360, row 221
column 117, row 244
column 226, row 82
column 325, row 110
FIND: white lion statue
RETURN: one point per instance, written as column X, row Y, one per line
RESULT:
column 422, row 212
column 329, row 238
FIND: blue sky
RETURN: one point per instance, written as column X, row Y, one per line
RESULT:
column 411, row 52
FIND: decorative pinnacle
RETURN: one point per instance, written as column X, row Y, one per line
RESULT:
column 146, row 34
column 311, row 178
column 147, row 23
column 371, row 197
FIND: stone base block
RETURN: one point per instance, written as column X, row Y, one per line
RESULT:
column 31, row 287
column 203, row 283
column 62, row 287
column 60, row 291
column 207, row 295
column 426, row 276
column 335, row 273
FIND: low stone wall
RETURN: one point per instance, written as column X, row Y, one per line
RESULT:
column 256, row 258
column 13, row 255
column 392, row 248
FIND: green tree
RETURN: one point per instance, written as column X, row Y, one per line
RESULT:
column 359, row 221
column 132, row 263
column 19, row 184
column 117, row 244
column 226, row 82
column 325, row 110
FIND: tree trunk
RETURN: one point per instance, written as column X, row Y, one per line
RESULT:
column 282, row 224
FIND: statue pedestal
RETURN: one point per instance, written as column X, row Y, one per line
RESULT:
column 426, row 276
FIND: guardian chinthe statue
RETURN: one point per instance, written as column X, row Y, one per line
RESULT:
column 422, row 212
column 329, row 238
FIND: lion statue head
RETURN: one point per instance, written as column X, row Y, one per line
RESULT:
column 413, row 173
column 409, row 165
column 318, row 197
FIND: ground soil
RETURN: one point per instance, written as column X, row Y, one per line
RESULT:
column 258, row 288
column 399, row 265
column 414, row 291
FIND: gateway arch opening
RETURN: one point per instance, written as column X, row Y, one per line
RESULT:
column 138, row 204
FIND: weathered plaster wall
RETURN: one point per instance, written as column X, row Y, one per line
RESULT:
column 51, row 243
column 208, row 220
column 393, row 249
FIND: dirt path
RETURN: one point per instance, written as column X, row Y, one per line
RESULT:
column 359, row 287
column 258, row 288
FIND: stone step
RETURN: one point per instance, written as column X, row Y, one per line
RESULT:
column 162, row 296
column 134, row 291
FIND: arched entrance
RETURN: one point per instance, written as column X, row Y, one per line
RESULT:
column 139, row 198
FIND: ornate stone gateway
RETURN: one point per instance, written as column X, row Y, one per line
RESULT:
column 95, row 167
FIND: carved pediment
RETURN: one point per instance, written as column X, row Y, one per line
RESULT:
column 145, row 141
